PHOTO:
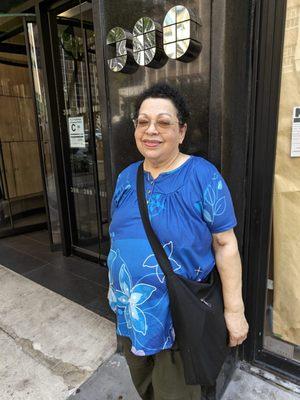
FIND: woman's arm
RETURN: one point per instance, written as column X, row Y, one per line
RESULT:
column 229, row 266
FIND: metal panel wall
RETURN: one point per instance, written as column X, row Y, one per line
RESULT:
column 193, row 79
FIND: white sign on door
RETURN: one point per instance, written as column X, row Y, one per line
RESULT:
column 295, row 146
column 76, row 132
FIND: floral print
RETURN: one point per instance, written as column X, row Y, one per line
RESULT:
column 129, row 298
column 151, row 262
column 155, row 205
column 185, row 208
column 214, row 201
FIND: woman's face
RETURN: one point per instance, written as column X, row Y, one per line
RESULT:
column 158, row 133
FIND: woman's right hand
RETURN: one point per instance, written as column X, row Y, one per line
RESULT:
column 237, row 326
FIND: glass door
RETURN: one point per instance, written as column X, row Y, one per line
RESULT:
column 22, row 202
column 274, row 219
column 82, row 129
column 282, row 313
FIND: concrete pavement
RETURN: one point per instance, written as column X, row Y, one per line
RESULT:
column 112, row 382
column 245, row 386
column 54, row 349
column 49, row 344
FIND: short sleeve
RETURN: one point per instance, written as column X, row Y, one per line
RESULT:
column 217, row 207
column 122, row 189
column 113, row 205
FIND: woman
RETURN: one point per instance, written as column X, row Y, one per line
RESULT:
column 191, row 211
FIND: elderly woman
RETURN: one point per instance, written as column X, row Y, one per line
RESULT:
column 191, row 211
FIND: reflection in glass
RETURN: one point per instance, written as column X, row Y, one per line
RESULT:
column 182, row 14
column 115, row 35
column 40, row 99
column 184, row 30
column 121, row 48
column 21, row 186
column 138, row 43
column 170, row 50
column 148, row 25
column 169, row 34
column 170, row 17
column 147, row 47
column 149, row 40
column 117, row 64
column 181, row 47
column 149, row 55
column 72, row 44
column 138, row 27
column 83, row 209
column 140, row 57
column 102, row 194
column 120, row 59
column 88, row 208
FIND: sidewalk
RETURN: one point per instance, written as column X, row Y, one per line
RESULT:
column 79, row 280
column 112, row 382
column 49, row 344
column 55, row 349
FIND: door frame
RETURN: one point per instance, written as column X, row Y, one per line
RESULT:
column 26, row 21
column 269, row 38
column 42, row 18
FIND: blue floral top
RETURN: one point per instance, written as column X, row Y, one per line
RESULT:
column 186, row 206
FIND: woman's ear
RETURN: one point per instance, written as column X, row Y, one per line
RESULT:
column 182, row 131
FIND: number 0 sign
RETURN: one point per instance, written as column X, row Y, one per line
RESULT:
column 151, row 45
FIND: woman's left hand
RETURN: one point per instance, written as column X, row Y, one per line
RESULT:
column 237, row 326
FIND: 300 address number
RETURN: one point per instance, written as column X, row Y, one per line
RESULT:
column 151, row 45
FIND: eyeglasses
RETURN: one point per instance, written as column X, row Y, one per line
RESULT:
column 160, row 125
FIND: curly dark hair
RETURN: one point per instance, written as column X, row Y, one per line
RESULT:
column 164, row 91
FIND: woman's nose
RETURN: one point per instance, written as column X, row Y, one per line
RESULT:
column 151, row 129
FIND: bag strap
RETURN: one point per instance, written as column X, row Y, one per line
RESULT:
column 157, row 248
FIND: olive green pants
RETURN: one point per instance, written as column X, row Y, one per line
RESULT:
column 160, row 376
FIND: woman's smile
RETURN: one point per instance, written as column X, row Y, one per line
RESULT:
column 151, row 143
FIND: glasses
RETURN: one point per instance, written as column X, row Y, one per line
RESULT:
column 161, row 125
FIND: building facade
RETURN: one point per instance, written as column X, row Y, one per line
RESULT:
column 69, row 74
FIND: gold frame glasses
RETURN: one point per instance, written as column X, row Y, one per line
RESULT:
column 160, row 125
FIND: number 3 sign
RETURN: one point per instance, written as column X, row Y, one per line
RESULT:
column 150, row 45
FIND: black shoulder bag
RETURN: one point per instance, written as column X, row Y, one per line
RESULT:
column 197, row 310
